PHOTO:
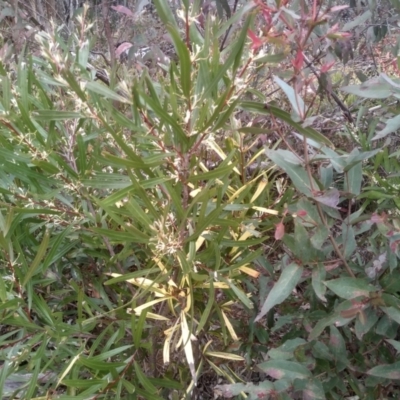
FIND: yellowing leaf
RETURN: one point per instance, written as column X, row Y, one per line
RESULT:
column 187, row 345
column 169, row 333
column 200, row 240
column 138, row 310
column 261, row 187
column 70, row 365
column 217, row 285
column 265, row 210
column 214, row 146
column 249, row 271
column 226, row 356
column 230, row 327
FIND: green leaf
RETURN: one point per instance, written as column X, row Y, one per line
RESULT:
column 363, row 326
column 108, row 93
column 231, row 60
column 297, row 173
column 217, row 173
column 111, row 353
column 282, row 369
column 84, row 383
column 239, row 293
column 349, row 288
column 267, row 109
column 282, row 289
column 145, row 382
column 236, row 17
column 165, row 14
column 357, row 21
column 166, row 118
column 314, row 390
column 55, row 115
column 99, row 365
column 375, row 88
column 206, row 312
column 392, row 125
column 387, row 371
column 395, row 344
column 353, row 179
column 318, row 276
column 184, row 61
column 295, row 100
column 134, row 235
column 38, row 258
column 392, row 312
column 337, row 346
column 348, row 240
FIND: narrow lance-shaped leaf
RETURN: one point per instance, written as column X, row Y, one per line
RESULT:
column 267, row 109
column 106, row 92
column 55, row 115
column 187, row 345
column 286, row 283
column 295, row 100
column 38, row 258
column 184, row 61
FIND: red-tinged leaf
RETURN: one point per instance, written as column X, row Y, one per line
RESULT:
column 256, row 41
column 326, row 67
column 350, row 313
column 357, row 307
column 267, row 16
column 376, row 218
column 123, row 10
column 298, row 62
column 122, row 48
column 338, row 8
column 279, row 231
column 330, row 198
column 393, row 246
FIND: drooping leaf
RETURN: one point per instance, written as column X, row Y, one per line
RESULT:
column 268, row 109
column 295, row 99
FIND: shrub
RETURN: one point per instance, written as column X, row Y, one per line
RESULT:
column 173, row 226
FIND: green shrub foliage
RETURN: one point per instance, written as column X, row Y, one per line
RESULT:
column 161, row 226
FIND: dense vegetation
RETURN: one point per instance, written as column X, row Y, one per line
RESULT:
column 200, row 224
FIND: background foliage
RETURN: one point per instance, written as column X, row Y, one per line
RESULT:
column 193, row 220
